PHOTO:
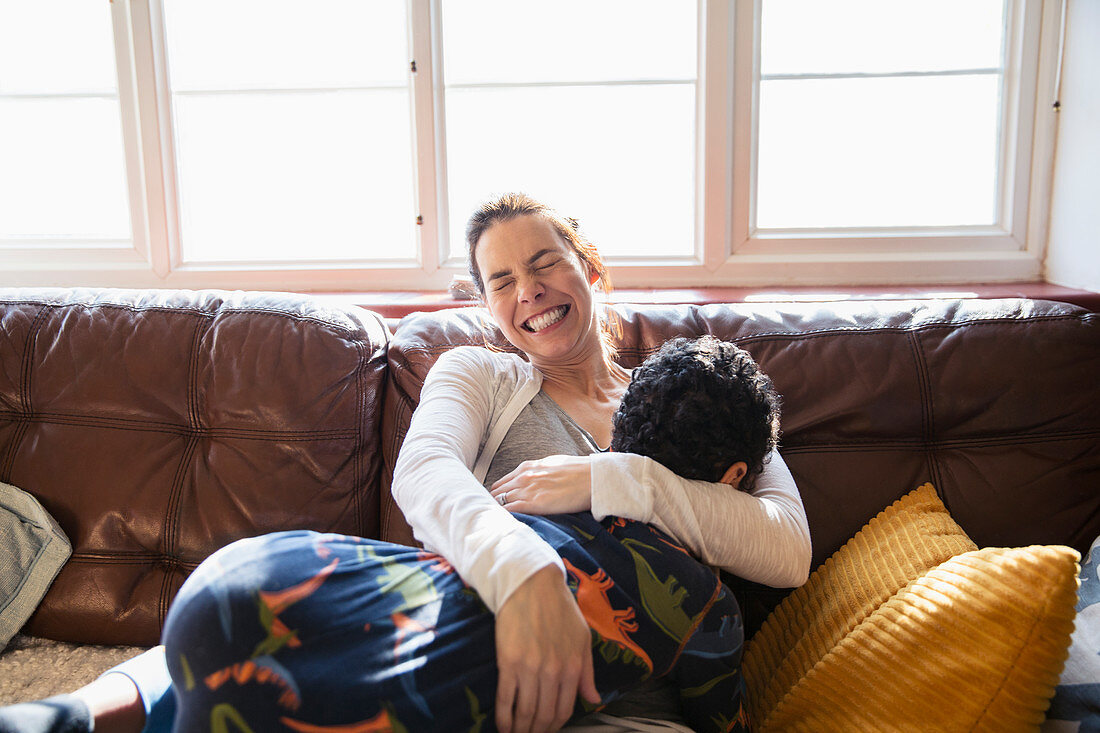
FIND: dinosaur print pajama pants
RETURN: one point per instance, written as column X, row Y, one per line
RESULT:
column 307, row 632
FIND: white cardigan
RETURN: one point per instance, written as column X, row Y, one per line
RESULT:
column 469, row 401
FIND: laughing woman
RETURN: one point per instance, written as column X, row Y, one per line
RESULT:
column 534, row 431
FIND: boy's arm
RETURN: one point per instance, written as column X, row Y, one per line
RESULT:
column 763, row 536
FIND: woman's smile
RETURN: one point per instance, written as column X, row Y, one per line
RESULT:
column 546, row 319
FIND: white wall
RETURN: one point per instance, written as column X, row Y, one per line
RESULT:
column 1073, row 249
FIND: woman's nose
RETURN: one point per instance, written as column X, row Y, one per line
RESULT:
column 530, row 289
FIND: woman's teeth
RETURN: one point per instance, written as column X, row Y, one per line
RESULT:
column 549, row 318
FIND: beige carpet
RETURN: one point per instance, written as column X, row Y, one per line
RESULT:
column 32, row 668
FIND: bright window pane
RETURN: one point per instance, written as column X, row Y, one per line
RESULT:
column 568, row 40
column 539, row 99
column 623, row 168
column 266, row 44
column 879, row 36
column 61, row 169
column 56, row 47
column 62, row 165
column 292, row 174
column 878, row 152
column 296, row 176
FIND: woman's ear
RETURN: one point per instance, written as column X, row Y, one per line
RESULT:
column 734, row 474
column 593, row 276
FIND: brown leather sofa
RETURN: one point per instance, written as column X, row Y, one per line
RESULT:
column 157, row 426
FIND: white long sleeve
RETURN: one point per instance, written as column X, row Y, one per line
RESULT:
column 445, row 504
column 763, row 536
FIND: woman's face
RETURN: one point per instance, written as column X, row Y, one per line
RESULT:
column 538, row 290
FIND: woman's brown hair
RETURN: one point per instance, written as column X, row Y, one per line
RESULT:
column 513, row 205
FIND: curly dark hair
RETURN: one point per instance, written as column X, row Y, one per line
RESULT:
column 697, row 406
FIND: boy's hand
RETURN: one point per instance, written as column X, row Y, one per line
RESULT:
column 551, row 485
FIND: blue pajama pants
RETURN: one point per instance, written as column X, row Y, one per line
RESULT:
column 308, row 632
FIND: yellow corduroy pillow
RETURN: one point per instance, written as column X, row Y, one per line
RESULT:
column 907, row 627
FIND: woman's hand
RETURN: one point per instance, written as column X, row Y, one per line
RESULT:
column 544, row 656
column 552, row 485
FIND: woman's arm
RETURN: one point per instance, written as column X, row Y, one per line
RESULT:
column 447, row 508
column 544, row 657
column 763, row 536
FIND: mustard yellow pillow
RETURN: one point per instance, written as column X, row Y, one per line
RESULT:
column 972, row 640
column 900, row 544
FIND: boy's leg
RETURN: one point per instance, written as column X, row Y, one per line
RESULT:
column 656, row 612
column 298, row 630
column 115, row 704
column 708, row 670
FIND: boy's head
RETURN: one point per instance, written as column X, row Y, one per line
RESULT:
column 700, row 407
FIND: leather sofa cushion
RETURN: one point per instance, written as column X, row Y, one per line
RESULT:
column 157, row 426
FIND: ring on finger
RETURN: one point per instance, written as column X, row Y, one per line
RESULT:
column 503, row 498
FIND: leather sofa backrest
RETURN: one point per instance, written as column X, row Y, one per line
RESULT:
column 996, row 402
column 157, row 426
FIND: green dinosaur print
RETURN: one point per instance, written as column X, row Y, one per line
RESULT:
column 473, row 596
column 475, row 711
column 415, row 585
column 661, row 600
column 188, row 675
column 581, row 532
column 222, row 714
column 278, row 635
column 272, row 603
column 704, row 688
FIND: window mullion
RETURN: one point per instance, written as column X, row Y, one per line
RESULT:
column 714, row 144
column 745, row 35
column 147, row 116
column 428, row 145
column 1028, row 190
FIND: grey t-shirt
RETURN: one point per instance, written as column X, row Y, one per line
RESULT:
column 544, row 429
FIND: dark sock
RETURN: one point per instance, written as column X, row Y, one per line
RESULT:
column 59, row 714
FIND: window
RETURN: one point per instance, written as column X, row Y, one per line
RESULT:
column 589, row 106
column 863, row 107
column 341, row 145
column 62, row 165
column 293, row 132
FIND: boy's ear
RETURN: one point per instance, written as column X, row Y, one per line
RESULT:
column 734, row 474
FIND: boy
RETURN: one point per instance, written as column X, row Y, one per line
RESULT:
column 416, row 646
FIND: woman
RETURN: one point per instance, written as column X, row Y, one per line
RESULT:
column 481, row 415
column 536, row 275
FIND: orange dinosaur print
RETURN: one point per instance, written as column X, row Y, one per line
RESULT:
column 242, row 672
column 274, row 602
column 405, row 627
column 596, row 607
column 380, row 723
column 673, row 545
column 279, row 601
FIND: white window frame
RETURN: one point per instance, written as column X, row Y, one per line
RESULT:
column 728, row 251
